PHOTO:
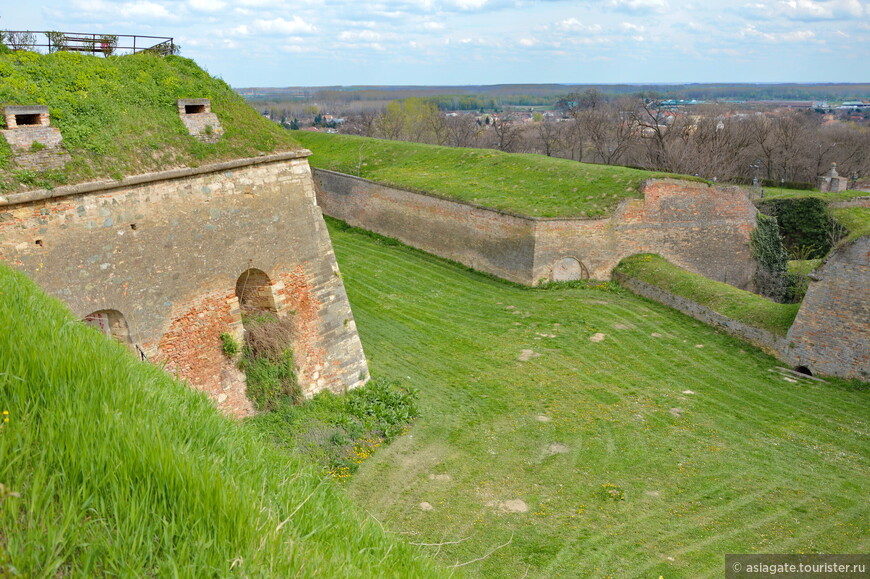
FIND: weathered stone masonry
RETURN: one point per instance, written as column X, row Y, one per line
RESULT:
column 831, row 333
column 165, row 252
column 703, row 229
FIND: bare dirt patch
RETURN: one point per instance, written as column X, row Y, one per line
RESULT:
column 598, row 337
column 527, row 355
column 439, row 477
column 510, row 506
column 557, row 448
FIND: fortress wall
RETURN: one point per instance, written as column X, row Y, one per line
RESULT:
column 166, row 250
column 703, row 229
column 831, row 334
column 486, row 240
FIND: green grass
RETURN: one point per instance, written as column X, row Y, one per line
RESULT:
column 727, row 300
column 118, row 115
column 803, row 266
column 119, row 470
column 532, row 185
column 749, row 463
column 856, row 220
column 782, row 193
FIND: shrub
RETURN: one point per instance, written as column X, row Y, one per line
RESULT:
column 229, row 345
column 268, row 361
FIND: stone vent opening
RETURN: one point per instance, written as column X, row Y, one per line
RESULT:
column 803, row 370
column 254, row 291
column 38, row 242
column 200, row 121
column 27, row 120
column 111, row 323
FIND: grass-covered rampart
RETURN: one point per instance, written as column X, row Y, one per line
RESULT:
column 118, row 115
column 116, row 469
column 519, row 183
column 722, row 298
column 583, row 433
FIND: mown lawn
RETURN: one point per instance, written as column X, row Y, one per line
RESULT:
column 532, row 185
column 641, row 443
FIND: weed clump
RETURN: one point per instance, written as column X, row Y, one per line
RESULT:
column 267, row 360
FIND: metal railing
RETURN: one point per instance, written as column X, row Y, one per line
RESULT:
column 106, row 44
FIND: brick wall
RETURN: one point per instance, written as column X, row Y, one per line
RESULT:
column 831, row 334
column 703, row 229
column 167, row 249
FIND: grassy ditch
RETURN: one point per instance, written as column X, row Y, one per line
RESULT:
column 109, row 467
column 585, row 433
column 520, row 183
column 722, row 298
column 118, row 115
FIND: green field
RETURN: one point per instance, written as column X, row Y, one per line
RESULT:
column 111, row 468
column 640, row 442
column 526, row 184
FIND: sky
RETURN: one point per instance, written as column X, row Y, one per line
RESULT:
column 271, row 43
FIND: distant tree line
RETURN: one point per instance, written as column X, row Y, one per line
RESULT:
column 718, row 142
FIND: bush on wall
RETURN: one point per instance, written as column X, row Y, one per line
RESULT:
column 771, row 276
column 804, row 224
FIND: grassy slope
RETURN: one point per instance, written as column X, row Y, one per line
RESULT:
column 527, row 184
column 855, row 219
column 118, row 115
column 751, row 462
column 720, row 297
column 123, row 471
column 779, row 193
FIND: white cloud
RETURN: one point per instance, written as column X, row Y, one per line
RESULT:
column 138, row 10
column 433, row 26
column 751, row 32
column 527, row 42
column 632, row 27
column 823, row 9
column 362, row 36
column 280, row 26
column 207, row 5
column 641, row 6
column 574, row 25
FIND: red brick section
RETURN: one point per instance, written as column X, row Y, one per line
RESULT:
column 191, row 349
column 309, row 354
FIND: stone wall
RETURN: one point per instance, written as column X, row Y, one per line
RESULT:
column 166, row 250
column 703, row 229
column 492, row 241
column 831, row 334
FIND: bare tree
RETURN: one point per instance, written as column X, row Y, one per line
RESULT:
column 462, row 131
column 507, row 133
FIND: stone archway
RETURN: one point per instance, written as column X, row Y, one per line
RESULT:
column 111, row 323
column 254, row 291
column 569, row 269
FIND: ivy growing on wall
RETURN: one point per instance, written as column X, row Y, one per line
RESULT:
column 807, row 229
column 771, row 275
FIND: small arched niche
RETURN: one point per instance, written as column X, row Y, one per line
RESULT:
column 569, row 269
column 254, row 291
column 111, row 323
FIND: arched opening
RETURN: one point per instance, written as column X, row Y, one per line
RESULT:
column 569, row 269
column 254, row 290
column 803, row 370
column 111, row 323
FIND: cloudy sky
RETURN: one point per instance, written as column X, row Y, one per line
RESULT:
column 451, row 42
